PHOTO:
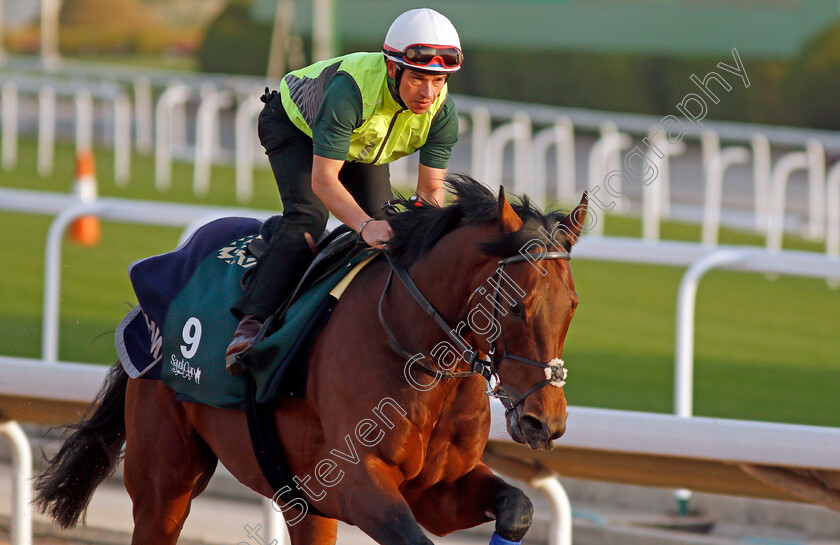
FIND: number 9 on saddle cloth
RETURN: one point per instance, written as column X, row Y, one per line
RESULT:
column 179, row 331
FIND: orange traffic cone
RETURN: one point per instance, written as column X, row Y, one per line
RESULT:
column 85, row 229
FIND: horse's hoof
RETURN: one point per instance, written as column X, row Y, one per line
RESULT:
column 514, row 513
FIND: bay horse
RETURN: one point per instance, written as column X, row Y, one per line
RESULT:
column 391, row 448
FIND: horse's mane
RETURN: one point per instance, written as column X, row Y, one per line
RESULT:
column 418, row 228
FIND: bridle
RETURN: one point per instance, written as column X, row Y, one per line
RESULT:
column 554, row 370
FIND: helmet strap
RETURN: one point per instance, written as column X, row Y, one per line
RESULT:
column 394, row 85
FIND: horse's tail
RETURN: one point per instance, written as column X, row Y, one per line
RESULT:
column 87, row 457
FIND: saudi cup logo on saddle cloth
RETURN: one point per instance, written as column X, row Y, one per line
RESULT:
column 182, row 368
column 236, row 253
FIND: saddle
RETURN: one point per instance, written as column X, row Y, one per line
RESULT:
column 332, row 251
column 329, row 253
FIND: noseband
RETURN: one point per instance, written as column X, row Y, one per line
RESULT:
column 555, row 372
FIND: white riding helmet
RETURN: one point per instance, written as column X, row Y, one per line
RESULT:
column 424, row 40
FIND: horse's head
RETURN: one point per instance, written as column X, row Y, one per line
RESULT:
column 519, row 290
column 531, row 296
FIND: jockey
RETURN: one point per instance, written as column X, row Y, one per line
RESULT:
column 330, row 133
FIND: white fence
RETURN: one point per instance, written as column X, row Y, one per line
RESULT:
column 593, row 429
column 493, row 126
column 84, row 96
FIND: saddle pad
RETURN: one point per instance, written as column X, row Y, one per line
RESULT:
column 199, row 327
column 159, row 279
column 190, row 291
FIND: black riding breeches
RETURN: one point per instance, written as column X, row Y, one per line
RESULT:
column 285, row 259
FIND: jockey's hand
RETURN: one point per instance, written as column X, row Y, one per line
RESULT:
column 377, row 234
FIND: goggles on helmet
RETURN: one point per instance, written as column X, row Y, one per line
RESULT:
column 425, row 55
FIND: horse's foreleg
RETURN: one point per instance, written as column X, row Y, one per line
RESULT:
column 313, row 530
column 166, row 463
column 476, row 498
column 370, row 499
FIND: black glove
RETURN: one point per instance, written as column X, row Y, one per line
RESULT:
column 268, row 96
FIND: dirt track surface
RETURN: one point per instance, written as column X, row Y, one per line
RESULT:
column 45, row 534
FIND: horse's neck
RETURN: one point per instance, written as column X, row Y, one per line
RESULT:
column 373, row 369
column 452, row 263
column 445, row 275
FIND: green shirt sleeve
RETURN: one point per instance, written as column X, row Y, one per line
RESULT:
column 443, row 134
column 340, row 113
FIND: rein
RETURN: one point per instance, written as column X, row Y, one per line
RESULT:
column 554, row 370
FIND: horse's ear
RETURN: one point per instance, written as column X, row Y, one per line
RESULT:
column 572, row 224
column 508, row 219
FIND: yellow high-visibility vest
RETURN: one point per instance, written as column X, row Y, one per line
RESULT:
column 388, row 130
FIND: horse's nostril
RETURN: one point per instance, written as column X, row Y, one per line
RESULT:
column 531, row 424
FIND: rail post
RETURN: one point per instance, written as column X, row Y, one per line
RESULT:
column 9, row 95
column 611, row 141
column 46, row 130
column 518, row 131
column 122, row 139
column 21, row 523
column 560, row 529
column 602, row 155
column 832, row 235
column 143, row 114
column 686, row 303
column 778, row 186
column 244, row 130
column 164, row 129
column 561, row 135
column 816, row 189
column 761, row 180
column 480, row 135
column 84, row 120
column 720, row 161
column 656, row 193
column 275, row 525
column 207, row 135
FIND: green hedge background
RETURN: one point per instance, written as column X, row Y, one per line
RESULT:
column 803, row 92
